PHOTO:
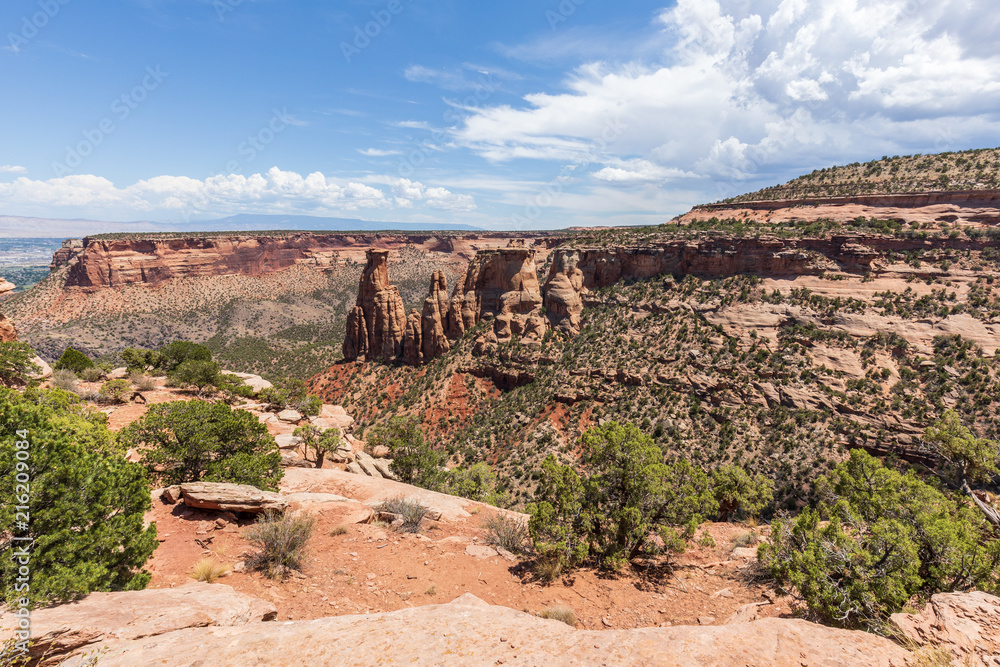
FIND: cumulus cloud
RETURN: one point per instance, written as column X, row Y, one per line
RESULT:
column 765, row 90
column 407, row 191
column 12, row 169
column 275, row 191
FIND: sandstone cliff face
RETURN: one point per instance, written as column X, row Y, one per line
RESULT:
column 575, row 271
column 434, row 319
column 968, row 207
column 377, row 325
column 502, row 284
column 97, row 263
column 8, row 332
column 65, row 254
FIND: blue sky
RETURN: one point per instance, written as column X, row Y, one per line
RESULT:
column 520, row 114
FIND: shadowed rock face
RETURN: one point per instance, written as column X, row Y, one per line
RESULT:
column 376, row 326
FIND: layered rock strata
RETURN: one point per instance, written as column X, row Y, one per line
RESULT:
column 499, row 285
column 153, row 259
column 376, row 326
column 576, row 271
column 503, row 285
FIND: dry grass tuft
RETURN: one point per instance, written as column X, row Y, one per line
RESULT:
column 209, row 570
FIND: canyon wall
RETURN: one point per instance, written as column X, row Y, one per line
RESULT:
column 976, row 208
column 500, row 285
column 99, row 262
column 576, row 270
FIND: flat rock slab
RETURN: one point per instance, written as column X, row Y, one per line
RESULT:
column 372, row 490
column 129, row 615
column 967, row 625
column 471, row 632
column 231, row 497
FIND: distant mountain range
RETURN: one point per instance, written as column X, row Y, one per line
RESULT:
column 20, row 227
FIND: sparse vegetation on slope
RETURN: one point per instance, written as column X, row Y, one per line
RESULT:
column 977, row 169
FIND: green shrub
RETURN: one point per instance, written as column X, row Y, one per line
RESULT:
column 478, row 483
column 16, row 365
column 413, row 460
column 736, row 491
column 194, row 372
column 321, row 442
column 86, row 502
column 629, row 494
column 115, row 391
column 888, row 537
column 172, row 355
column 192, row 441
column 280, row 540
column 73, row 360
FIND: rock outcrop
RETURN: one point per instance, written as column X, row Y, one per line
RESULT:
column 469, row 631
column 133, row 615
column 226, row 497
column 377, row 324
column 66, row 253
column 434, row 319
column 965, row 625
column 6, row 286
column 153, row 259
column 576, row 271
column 502, row 285
column 8, row 332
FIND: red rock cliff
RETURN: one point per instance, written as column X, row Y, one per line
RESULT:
column 376, row 326
column 154, row 259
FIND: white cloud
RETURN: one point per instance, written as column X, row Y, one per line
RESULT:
column 407, row 191
column 640, row 171
column 12, row 169
column 378, row 152
column 762, row 91
column 276, row 191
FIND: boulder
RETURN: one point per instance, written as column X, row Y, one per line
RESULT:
column 355, row 468
column 469, row 631
column 46, row 370
column 966, row 625
column 171, row 494
column 255, row 382
column 382, row 465
column 224, row 497
column 367, row 464
column 288, row 441
column 6, row 286
column 336, row 416
column 290, row 416
column 133, row 615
